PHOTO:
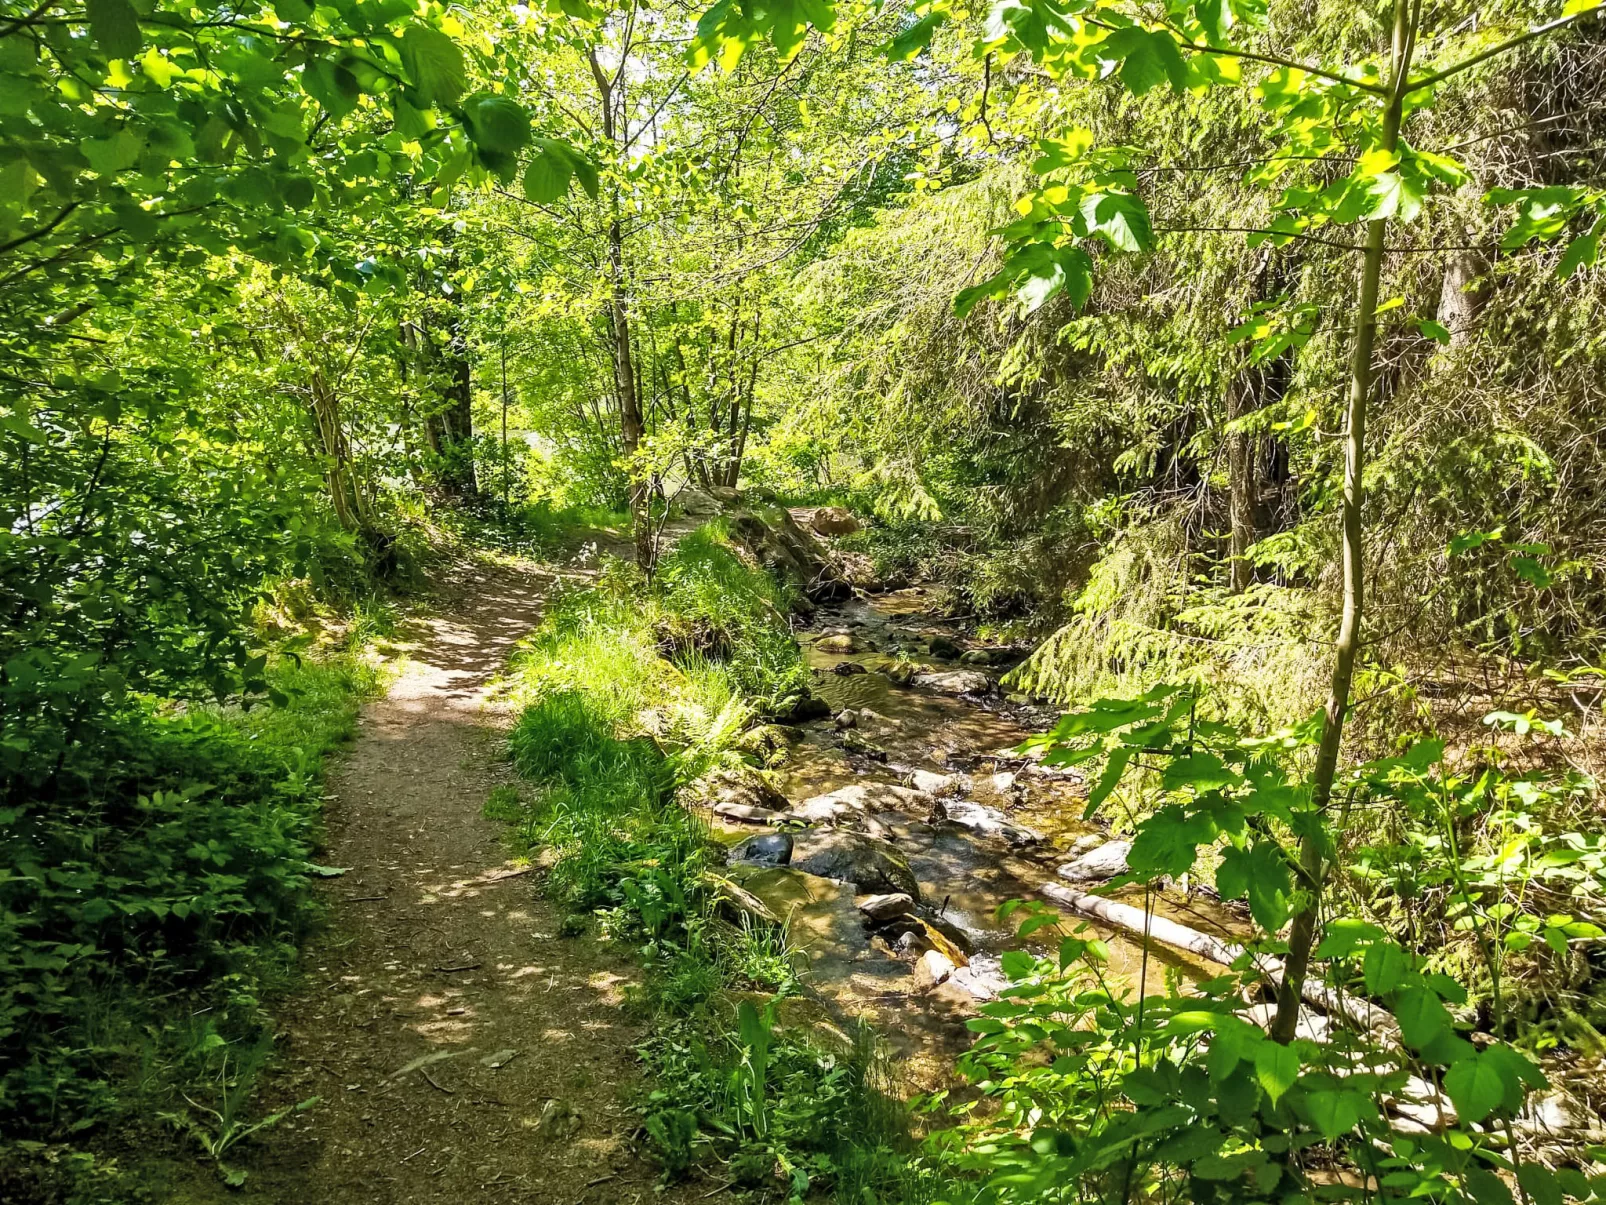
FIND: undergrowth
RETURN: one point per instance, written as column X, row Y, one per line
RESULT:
column 632, row 692
column 152, row 893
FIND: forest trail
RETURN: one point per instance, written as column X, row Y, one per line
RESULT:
column 441, row 960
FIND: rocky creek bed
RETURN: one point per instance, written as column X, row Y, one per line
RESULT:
column 893, row 828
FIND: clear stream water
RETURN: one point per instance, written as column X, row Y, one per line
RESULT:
column 964, row 877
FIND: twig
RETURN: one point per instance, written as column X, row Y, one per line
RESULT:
column 431, row 1080
column 602, row 1179
column 467, row 966
column 362, row 899
column 416, row 1153
column 718, row 1188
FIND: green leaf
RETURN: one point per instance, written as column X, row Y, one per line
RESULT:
column 916, row 38
column 1215, row 16
column 1540, row 1183
column 1581, row 253
column 1434, row 330
column 1384, row 967
column 1476, row 1086
column 547, row 177
column 434, row 63
column 1276, row 1067
column 1335, row 1111
column 115, row 26
column 1421, row 1015
column 497, row 123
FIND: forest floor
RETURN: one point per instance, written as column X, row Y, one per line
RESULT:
column 461, row 1049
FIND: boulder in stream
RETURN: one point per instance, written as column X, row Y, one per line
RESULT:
column 766, row 849
column 868, row 863
column 878, row 909
column 990, row 822
column 799, row 709
column 840, row 643
column 955, row 682
column 749, row 814
column 859, row 799
column 740, row 787
column 931, row 968
column 944, row 647
column 1105, row 862
column 844, row 669
column 933, row 783
column 983, row 977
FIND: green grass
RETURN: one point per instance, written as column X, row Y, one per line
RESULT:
column 631, row 692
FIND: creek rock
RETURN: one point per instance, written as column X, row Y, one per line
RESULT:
column 748, row 814
column 1105, row 862
column 741, row 787
column 983, row 977
column 989, row 822
column 901, row 673
column 848, row 668
column 955, row 682
column 944, row 647
column 857, row 742
column 837, row 644
column 771, row 742
column 870, row 864
column 860, row 799
column 878, row 909
column 932, row 783
column 799, row 709
column 1087, row 844
column 847, row 718
column 766, row 849
column 777, row 543
column 1554, row 1112
column 931, row 968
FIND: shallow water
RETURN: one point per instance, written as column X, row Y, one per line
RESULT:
column 964, row 877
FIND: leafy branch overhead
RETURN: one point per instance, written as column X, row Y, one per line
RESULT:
column 1315, row 114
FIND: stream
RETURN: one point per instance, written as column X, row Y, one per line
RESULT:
column 958, row 748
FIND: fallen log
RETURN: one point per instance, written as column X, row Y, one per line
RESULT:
column 1361, row 1013
column 743, row 900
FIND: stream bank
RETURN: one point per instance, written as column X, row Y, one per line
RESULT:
column 896, row 826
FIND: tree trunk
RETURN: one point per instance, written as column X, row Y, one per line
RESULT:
column 1313, row 845
column 1242, row 481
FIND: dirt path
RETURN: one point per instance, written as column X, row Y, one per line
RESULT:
column 443, row 960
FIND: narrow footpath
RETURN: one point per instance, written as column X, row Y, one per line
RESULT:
column 461, row 1050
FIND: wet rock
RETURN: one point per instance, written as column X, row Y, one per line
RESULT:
column 953, row 940
column 1087, row 844
column 983, row 978
column 976, row 657
column 847, row 718
column 857, row 742
column 740, row 787
column 955, row 682
column 1004, row 783
column 933, row 783
column 901, row 673
column 944, row 647
column 767, row 849
column 869, row 864
column 1105, row 862
column 848, row 668
column 910, row 941
column 837, row 644
column 748, row 814
column 878, row 909
column 931, row 968
column 989, row 822
column 799, row 709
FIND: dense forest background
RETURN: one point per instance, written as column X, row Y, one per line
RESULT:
column 300, row 302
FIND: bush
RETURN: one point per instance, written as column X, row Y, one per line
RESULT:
column 169, row 858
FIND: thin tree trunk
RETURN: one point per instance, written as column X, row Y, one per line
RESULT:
column 1312, row 846
column 1242, row 484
